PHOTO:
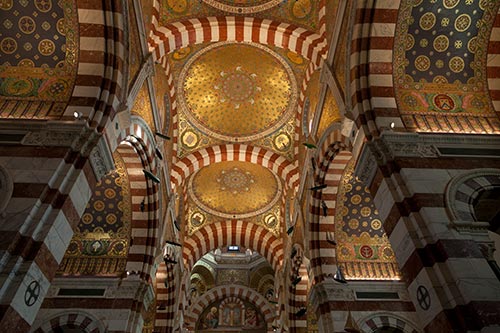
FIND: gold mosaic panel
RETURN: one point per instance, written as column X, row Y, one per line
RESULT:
column 234, row 189
column 329, row 115
column 134, row 51
column 226, row 87
column 363, row 249
column 440, row 65
column 38, row 57
column 142, row 106
column 102, row 238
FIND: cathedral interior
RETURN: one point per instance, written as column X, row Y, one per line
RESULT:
column 250, row 166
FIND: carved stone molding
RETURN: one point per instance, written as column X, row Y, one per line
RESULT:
column 329, row 291
column 101, row 159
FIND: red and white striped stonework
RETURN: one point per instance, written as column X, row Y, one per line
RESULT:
column 493, row 64
column 234, row 232
column 172, row 36
column 371, row 90
column 323, row 258
column 71, row 320
column 409, row 193
column 298, row 293
column 51, row 186
column 235, row 152
column 165, row 298
column 385, row 320
column 230, row 291
column 101, row 81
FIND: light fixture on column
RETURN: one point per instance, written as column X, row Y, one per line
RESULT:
column 325, row 208
column 177, row 226
column 301, row 312
column 290, row 230
column 169, row 260
column 339, row 276
column 330, row 237
column 309, row 145
column 318, row 187
column 158, row 153
column 297, row 280
column 163, row 136
column 173, row 243
column 149, row 175
column 143, row 205
column 77, row 114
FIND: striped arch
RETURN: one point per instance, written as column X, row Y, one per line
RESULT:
column 332, row 135
column 493, row 64
column 465, row 188
column 145, row 234
column 234, row 232
column 380, row 320
column 166, row 39
column 372, row 93
column 101, row 80
column 80, row 320
column 330, row 173
column 235, row 152
column 221, row 292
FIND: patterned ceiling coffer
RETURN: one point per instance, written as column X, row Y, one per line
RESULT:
column 364, row 251
column 237, row 91
column 234, row 190
column 440, row 65
column 102, row 238
column 38, row 57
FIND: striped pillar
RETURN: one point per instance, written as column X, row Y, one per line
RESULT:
column 449, row 280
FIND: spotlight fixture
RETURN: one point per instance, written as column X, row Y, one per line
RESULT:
column 301, row 312
column 77, row 114
column 158, row 153
column 293, row 253
column 169, row 261
column 163, row 136
column 149, row 175
column 290, row 230
column 318, row 187
column 325, row 208
column 392, row 125
column 177, row 226
column 339, row 276
column 173, row 243
column 296, row 280
column 330, row 237
column 143, row 206
column 309, row 145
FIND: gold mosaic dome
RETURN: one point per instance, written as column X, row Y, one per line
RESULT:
column 235, row 189
column 237, row 91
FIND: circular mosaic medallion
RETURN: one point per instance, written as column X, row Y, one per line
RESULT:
column 270, row 220
column 422, row 63
column 441, row 43
column 6, row 4
column 376, row 224
column 353, row 224
column 456, row 64
column 178, row 6
column 46, row 47
column 450, row 3
column 295, row 58
column 365, row 211
column 301, row 8
column 282, row 142
column 462, row 22
column 366, row 251
column 27, row 25
column 43, row 5
column 197, row 219
column 181, row 53
column 242, row 6
column 444, row 102
column 8, row 45
column 472, row 45
column 239, row 81
column 189, row 139
column 234, row 189
column 427, row 21
column 410, row 41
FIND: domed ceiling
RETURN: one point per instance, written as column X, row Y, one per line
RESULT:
column 234, row 189
column 237, row 92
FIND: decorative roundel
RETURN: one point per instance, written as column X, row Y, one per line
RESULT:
column 43, row 5
column 189, row 139
column 242, row 6
column 422, row 63
column 282, row 142
column 366, row 251
column 441, row 43
column 8, row 45
column 270, row 220
column 6, row 4
column 410, row 42
column 450, row 3
column 27, row 25
column 462, row 22
column 178, row 6
column 181, row 53
column 457, row 64
column 444, row 102
column 376, row 224
column 61, row 26
column 472, row 45
column 46, row 47
column 197, row 219
column 427, row 21
column 301, row 8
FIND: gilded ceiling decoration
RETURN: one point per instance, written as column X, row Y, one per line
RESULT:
column 235, row 189
column 329, row 114
column 440, row 63
column 38, row 57
column 191, row 138
column 363, row 249
column 237, row 91
column 142, row 106
column 304, row 13
column 102, row 238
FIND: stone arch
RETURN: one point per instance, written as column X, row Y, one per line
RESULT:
column 297, row 298
column 235, row 152
column 463, row 189
column 221, row 292
column 380, row 320
column 6, row 188
column 329, row 173
column 75, row 319
column 234, row 232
